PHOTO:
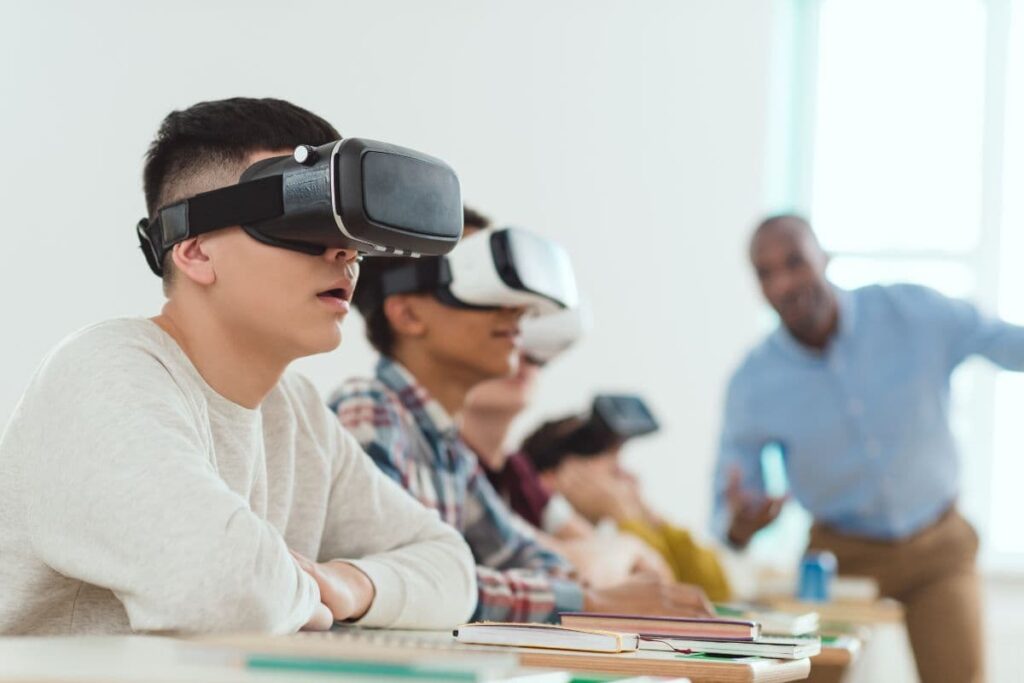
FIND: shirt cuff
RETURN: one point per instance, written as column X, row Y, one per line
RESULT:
column 312, row 599
column 388, row 593
column 568, row 597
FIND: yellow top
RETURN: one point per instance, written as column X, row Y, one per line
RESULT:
column 690, row 561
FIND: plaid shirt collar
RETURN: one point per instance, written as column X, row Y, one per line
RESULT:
column 430, row 416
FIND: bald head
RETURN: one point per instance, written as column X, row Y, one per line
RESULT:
column 790, row 225
column 790, row 266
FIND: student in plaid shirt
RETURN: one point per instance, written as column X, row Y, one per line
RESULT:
column 432, row 355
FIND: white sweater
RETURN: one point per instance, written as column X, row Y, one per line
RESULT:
column 134, row 497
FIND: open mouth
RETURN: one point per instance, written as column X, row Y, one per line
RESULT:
column 336, row 293
column 337, row 298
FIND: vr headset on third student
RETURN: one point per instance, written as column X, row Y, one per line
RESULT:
column 503, row 268
column 613, row 420
column 357, row 194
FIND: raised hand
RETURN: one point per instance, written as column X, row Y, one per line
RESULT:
column 751, row 512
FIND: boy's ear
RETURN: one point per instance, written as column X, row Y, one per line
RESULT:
column 404, row 315
column 192, row 262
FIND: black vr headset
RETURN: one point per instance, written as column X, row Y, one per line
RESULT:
column 501, row 268
column 357, row 194
column 614, row 419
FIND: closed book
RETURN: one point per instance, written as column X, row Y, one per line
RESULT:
column 545, row 636
column 679, row 627
column 773, row 622
column 765, row 646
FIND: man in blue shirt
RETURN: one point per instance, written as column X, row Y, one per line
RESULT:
column 854, row 388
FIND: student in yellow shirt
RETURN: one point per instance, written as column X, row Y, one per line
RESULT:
column 589, row 474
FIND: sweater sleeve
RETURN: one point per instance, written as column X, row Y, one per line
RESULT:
column 421, row 569
column 124, row 496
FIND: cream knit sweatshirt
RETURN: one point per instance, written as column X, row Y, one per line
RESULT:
column 134, row 497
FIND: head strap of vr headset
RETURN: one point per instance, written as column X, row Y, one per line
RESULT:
column 429, row 275
column 248, row 202
column 417, row 275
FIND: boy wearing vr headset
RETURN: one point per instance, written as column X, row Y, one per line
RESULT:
column 443, row 326
column 167, row 474
column 579, row 458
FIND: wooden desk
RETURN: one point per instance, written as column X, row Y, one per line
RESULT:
column 882, row 611
column 151, row 659
column 698, row 668
column 837, row 657
column 848, row 623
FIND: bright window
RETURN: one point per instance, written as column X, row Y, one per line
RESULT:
column 906, row 136
column 897, row 160
column 1005, row 537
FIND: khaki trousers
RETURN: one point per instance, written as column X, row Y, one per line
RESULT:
column 933, row 574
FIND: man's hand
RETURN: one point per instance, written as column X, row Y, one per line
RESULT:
column 750, row 512
column 346, row 592
column 648, row 596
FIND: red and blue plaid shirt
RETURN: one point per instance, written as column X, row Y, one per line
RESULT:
column 413, row 440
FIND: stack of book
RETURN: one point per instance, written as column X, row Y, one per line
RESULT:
column 711, row 636
column 623, row 644
column 773, row 622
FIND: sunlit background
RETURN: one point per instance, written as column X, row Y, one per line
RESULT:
column 905, row 148
column 648, row 136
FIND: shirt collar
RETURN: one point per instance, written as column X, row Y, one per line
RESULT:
column 430, row 416
column 847, row 303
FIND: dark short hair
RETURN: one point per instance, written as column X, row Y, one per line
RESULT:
column 369, row 300
column 548, row 446
column 211, row 135
column 471, row 218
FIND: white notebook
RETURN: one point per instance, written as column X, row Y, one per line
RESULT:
column 545, row 636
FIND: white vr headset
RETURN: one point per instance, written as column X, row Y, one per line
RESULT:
column 547, row 336
column 503, row 268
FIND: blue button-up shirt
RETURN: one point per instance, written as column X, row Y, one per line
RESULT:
column 864, row 425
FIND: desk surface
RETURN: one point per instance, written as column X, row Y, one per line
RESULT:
column 851, row 612
column 698, row 668
column 151, row 659
column 838, row 651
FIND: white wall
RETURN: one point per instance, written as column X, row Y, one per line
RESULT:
column 631, row 131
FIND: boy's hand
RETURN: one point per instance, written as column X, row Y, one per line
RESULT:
column 648, row 596
column 344, row 590
column 321, row 619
